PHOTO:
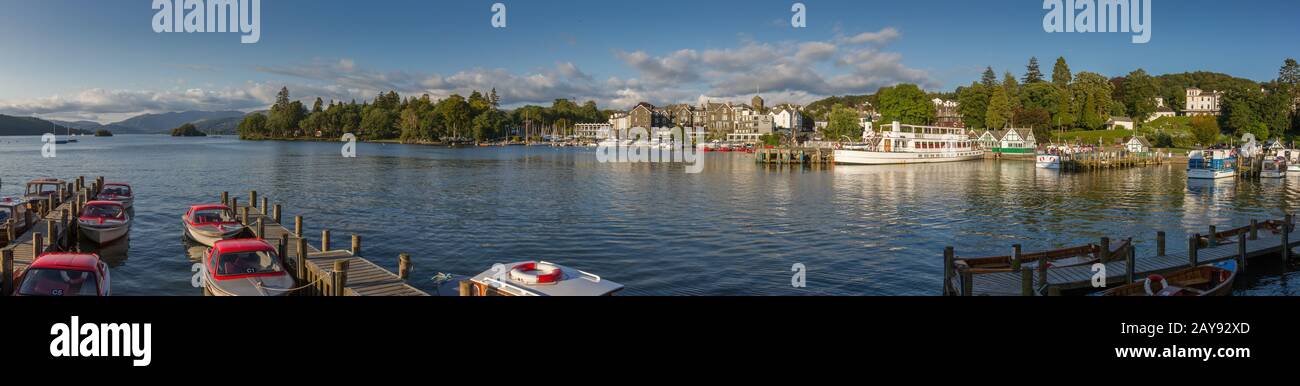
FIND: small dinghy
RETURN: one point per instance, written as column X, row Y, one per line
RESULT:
column 208, row 224
column 244, row 267
column 14, row 209
column 116, row 191
column 537, row 278
column 65, row 274
column 104, row 221
column 1206, row 280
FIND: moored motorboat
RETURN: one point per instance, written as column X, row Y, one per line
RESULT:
column 1210, row 164
column 104, row 221
column 1206, row 280
column 245, row 267
column 536, row 278
column 1066, row 257
column 1047, row 161
column 1274, row 168
column 42, row 188
column 117, row 191
column 14, row 209
column 65, row 274
column 208, row 224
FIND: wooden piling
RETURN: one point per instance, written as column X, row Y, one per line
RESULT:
column 1130, row 260
column 340, row 276
column 1193, row 244
column 1241, row 253
column 1105, row 250
column 356, row 245
column 38, row 245
column 1214, row 237
column 1015, row 257
column 9, row 231
column 404, row 266
column 225, row 198
column 261, row 228
column 282, row 249
column 300, row 264
column 7, row 264
column 243, row 215
column 967, row 282
column 1026, row 282
column 1254, row 229
column 234, row 203
column 297, row 226
column 325, row 240
column 1286, row 241
column 948, row 257
column 275, row 214
column 252, row 198
column 1160, row 243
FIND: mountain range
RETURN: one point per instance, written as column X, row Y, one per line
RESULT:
column 211, row 122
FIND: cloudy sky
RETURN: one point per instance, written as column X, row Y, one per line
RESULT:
column 102, row 61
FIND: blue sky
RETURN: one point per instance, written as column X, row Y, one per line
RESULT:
column 101, row 60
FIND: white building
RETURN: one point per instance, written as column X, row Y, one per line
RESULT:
column 620, row 121
column 1202, row 103
column 1121, row 123
column 1137, row 145
column 592, row 130
column 787, row 118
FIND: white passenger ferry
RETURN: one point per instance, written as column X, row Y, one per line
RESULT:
column 906, row 144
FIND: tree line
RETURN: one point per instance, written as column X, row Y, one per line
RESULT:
column 416, row 119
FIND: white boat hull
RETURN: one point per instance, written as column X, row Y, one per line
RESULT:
column 104, row 235
column 1272, row 174
column 1293, row 169
column 1207, row 174
column 210, row 238
column 863, row 157
column 1044, row 161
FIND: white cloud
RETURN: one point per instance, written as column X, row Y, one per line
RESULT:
column 883, row 36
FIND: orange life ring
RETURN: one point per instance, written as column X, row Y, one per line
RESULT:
column 536, row 273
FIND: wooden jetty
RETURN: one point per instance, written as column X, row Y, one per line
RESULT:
column 326, row 271
column 795, row 156
column 1089, row 161
column 1256, row 242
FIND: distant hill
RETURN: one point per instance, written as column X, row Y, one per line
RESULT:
column 219, row 126
column 10, row 126
column 164, row 123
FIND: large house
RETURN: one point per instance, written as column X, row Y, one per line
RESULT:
column 787, row 117
column 739, row 122
column 1202, row 103
column 1012, row 140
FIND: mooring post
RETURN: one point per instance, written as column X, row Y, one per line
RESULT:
column 1015, row 258
column 340, row 276
column 38, row 245
column 356, row 245
column 243, row 215
column 1214, row 237
column 282, row 249
column 252, row 198
column 1241, row 253
column 261, row 228
column 7, row 264
column 1160, row 243
column 266, row 204
column 297, row 226
column 1026, row 282
column 275, row 214
column 51, row 236
column 948, row 256
column 1105, row 250
column 1130, row 259
column 967, row 282
column 403, row 266
column 234, row 203
column 1254, row 229
column 325, row 240
column 301, row 263
column 225, row 198
column 1193, row 244
column 1286, row 241
column 9, row 231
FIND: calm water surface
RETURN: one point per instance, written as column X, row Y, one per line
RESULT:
column 734, row 229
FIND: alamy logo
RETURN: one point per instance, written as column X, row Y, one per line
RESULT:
column 102, row 340
column 1128, row 16
column 242, row 16
column 50, row 147
column 667, row 145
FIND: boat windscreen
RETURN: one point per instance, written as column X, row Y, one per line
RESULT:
column 5, row 214
column 116, row 190
column 42, row 189
column 247, row 263
column 58, row 282
column 102, row 211
column 212, row 215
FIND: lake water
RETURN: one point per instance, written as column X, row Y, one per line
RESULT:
column 734, row 229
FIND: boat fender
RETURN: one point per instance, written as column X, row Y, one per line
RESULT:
column 536, row 273
column 1154, row 278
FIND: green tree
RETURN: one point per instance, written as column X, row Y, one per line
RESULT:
column 1205, row 130
column 1139, row 95
column 973, row 101
column 1092, row 93
column 990, row 78
column 905, row 103
column 252, row 127
column 1013, row 90
column 843, row 123
column 1032, row 72
column 1061, row 73
column 1000, row 112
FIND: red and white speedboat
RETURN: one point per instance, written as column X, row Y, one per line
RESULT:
column 65, row 274
column 104, row 221
column 208, row 224
column 245, row 267
column 536, row 278
column 116, row 191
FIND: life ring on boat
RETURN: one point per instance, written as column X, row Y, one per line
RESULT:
column 536, row 273
column 1164, row 283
